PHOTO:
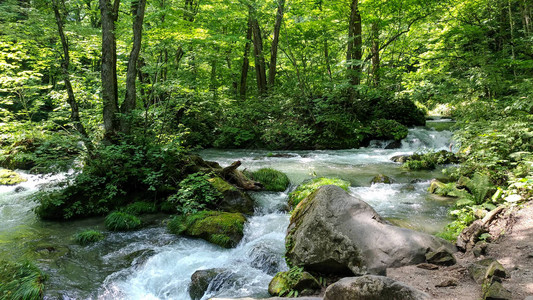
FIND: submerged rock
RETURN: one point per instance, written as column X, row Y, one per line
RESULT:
column 333, row 232
column 380, row 178
column 372, row 287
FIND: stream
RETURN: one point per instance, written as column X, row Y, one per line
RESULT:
column 153, row 264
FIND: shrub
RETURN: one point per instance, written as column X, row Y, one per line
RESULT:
column 21, row 281
column 272, row 180
column 308, row 187
column 388, row 130
column 88, row 237
column 196, row 193
column 120, row 221
column 8, row 177
column 140, row 208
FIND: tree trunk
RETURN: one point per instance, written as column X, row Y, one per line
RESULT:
column 130, row 99
column 74, row 110
column 354, row 52
column 109, row 14
column 275, row 41
column 258, row 52
column 375, row 54
column 246, row 61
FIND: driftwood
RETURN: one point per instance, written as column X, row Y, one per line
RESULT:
column 469, row 236
column 236, row 177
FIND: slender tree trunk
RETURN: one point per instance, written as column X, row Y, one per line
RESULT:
column 375, row 54
column 275, row 41
column 213, row 80
column 109, row 14
column 246, row 61
column 526, row 12
column 130, row 100
column 74, row 109
column 354, row 52
column 260, row 68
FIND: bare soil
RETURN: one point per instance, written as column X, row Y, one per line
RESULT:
column 513, row 249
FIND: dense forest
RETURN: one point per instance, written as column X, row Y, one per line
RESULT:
column 124, row 91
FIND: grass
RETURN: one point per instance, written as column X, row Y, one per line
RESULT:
column 305, row 189
column 121, row 221
column 88, row 237
column 21, row 281
column 272, row 180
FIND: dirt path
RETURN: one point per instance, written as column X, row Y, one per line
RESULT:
column 514, row 250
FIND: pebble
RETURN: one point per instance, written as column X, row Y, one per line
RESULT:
column 427, row 266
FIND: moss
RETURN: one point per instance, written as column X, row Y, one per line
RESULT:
column 21, row 281
column 220, row 228
column 140, row 208
column 306, row 188
column 221, row 185
column 8, row 177
column 88, row 237
column 120, row 221
column 272, row 180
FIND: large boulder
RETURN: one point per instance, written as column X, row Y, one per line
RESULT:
column 200, row 281
column 371, row 287
column 333, row 232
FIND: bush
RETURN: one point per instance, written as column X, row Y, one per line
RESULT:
column 21, row 281
column 120, row 221
column 308, row 187
column 196, row 193
column 88, row 237
column 272, row 180
column 388, row 130
column 140, row 208
column 8, row 177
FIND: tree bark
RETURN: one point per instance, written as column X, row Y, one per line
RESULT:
column 375, row 54
column 130, row 98
column 258, row 52
column 246, row 61
column 275, row 41
column 74, row 109
column 109, row 14
column 354, row 52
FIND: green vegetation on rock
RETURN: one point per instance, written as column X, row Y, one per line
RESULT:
column 88, row 237
column 293, row 283
column 308, row 187
column 196, row 193
column 220, row 228
column 120, row 221
column 8, row 177
column 272, row 180
column 21, row 281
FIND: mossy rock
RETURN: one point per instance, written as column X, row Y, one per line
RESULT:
column 220, row 228
column 233, row 199
column 380, row 178
column 21, row 280
column 285, row 282
column 121, row 221
column 8, row 177
column 306, row 188
column 272, row 180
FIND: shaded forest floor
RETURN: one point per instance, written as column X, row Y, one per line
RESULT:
column 514, row 250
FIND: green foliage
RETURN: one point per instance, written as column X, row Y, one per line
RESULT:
column 463, row 217
column 8, row 177
column 21, row 281
column 195, row 193
column 120, row 221
column 219, row 228
column 272, row 180
column 308, row 187
column 429, row 160
column 88, row 237
column 288, row 280
column 388, row 130
column 140, row 208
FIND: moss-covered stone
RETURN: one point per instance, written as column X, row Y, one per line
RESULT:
column 220, row 228
column 272, row 180
column 221, row 185
column 380, row 178
column 486, row 269
column 306, row 188
column 294, row 280
column 8, row 177
column 233, row 199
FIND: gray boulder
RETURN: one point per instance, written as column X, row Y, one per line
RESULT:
column 333, row 232
column 200, row 281
column 371, row 287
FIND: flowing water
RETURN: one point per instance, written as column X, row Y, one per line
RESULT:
column 152, row 264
